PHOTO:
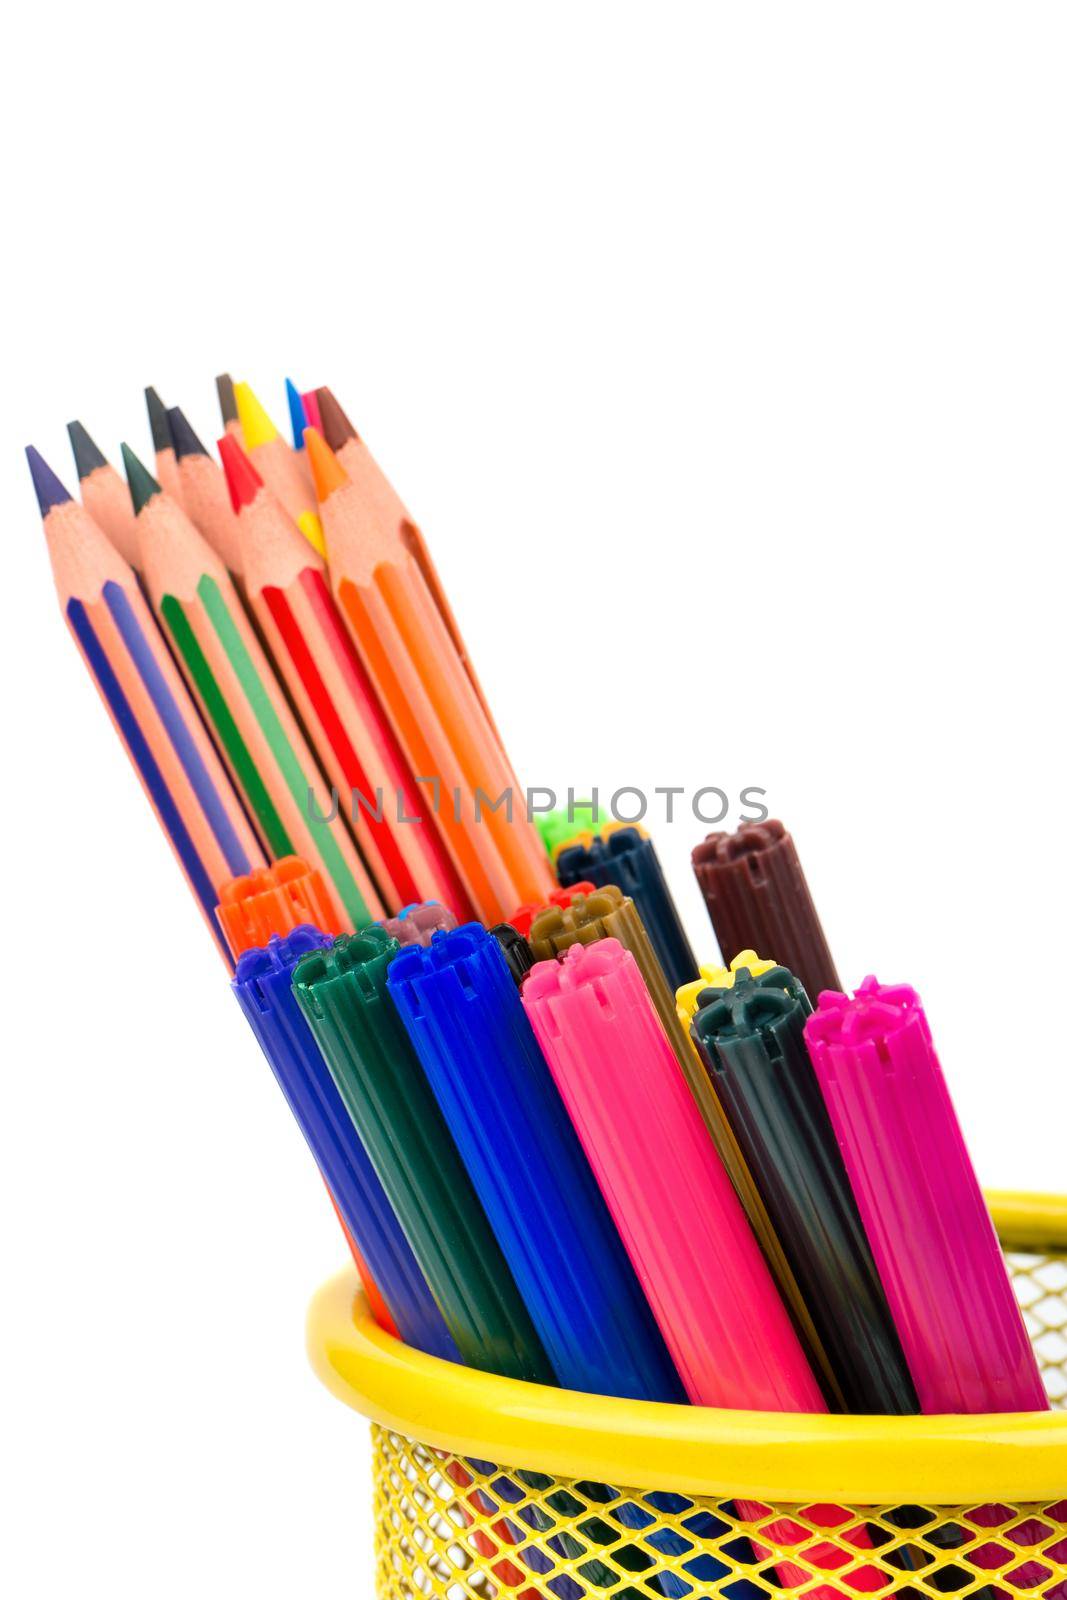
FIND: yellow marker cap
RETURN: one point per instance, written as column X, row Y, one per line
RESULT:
column 685, row 1000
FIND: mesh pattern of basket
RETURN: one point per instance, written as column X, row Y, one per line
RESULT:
column 458, row 1527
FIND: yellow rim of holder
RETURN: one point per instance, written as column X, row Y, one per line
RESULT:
column 697, row 1450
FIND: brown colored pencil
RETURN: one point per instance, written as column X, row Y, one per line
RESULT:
column 231, row 423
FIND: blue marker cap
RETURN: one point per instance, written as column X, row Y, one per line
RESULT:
column 263, row 986
column 628, row 859
column 461, row 1008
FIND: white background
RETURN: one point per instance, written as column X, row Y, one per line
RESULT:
column 721, row 352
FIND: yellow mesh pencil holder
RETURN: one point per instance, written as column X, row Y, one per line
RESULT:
column 486, row 1487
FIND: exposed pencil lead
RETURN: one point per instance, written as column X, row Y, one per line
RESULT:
column 256, row 426
column 311, row 409
column 336, row 428
column 50, row 492
column 185, row 440
column 227, row 403
column 142, row 484
column 243, row 480
column 326, row 471
column 87, row 454
column 298, row 418
column 157, row 421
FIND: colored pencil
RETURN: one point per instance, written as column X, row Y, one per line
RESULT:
column 298, row 417
column 289, row 596
column 933, row 1240
column 282, row 470
column 228, row 405
column 459, row 1004
column 241, row 699
column 384, row 508
column 438, row 718
column 752, row 1039
column 205, row 497
column 310, row 400
column 149, row 706
column 263, row 986
column 342, row 993
column 104, row 495
column 688, row 1238
column 274, row 900
column 163, row 445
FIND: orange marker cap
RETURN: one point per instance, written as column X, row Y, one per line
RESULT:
column 275, row 899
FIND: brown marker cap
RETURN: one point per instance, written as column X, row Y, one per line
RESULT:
column 758, row 899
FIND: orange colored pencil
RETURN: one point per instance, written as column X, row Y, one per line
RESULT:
column 241, row 699
column 438, row 718
column 287, row 591
column 149, row 705
column 386, row 506
column 104, row 495
column 282, row 469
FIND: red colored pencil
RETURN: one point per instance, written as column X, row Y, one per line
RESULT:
column 287, row 591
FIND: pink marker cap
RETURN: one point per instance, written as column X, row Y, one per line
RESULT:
column 697, row 1259
column 929, row 1228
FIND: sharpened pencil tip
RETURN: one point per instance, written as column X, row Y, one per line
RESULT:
column 326, row 471
column 298, row 418
column 142, row 484
column 186, row 442
column 47, row 487
column 227, row 403
column 311, row 408
column 87, row 453
column 243, row 480
column 157, row 421
column 336, row 428
column 256, row 426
